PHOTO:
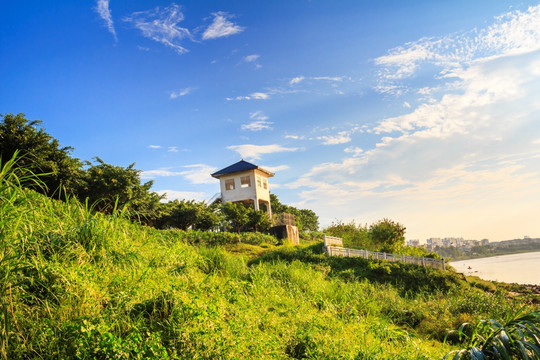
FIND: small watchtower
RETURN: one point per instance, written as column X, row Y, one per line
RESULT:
column 246, row 183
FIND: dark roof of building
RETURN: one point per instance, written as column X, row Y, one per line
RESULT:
column 242, row 165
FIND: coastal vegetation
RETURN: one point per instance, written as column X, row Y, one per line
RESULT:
column 77, row 283
column 115, row 277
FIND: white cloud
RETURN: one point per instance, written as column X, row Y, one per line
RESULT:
column 221, row 27
column 199, row 174
column 296, row 80
column 260, row 122
column 161, row 25
column 172, row 149
column 354, row 150
column 299, row 79
column 257, row 125
column 154, row 146
column 461, row 161
column 105, row 13
column 407, row 105
column 294, row 137
column 513, row 33
column 179, row 93
column 329, row 78
column 251, row 58
column 253, row 96
column 258, row 115
column 196, row 174
column 260, row 96
column 277, row 168
column 342, row 137
column 182, row 195
column 254, row 152
column 152, row 174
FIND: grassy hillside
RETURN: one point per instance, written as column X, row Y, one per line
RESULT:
column 78, row 284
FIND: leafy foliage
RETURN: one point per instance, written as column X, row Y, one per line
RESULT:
column 387, row 235
column 108, row 187
column 187, row 214
column 39, row 153
column 354, row 236
column 384, row 235
column 518, row 338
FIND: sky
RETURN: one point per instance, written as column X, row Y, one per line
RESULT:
column 425, row 112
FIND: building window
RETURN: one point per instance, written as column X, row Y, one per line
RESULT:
column 265, row 184
column 259, row 181
column 245, row 181
column 229, row 184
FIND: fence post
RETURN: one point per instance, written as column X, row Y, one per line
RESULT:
column 443, row 265
column 384, row 256
column 423, row 261
column 402, row 258
column 348, row 252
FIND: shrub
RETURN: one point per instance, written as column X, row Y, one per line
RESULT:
column 518, row 338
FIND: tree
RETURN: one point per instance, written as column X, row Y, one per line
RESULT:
column 354, row 236
column 259, row 221
column 193, row 214
column 108, row 186
column 237, row 215
column 209, row 217
column 387, row 235
column 39, row 153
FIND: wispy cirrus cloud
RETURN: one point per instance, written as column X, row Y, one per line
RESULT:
column 473, row 148
column 252, row 96
column 221, row 26
column 276, row 168
column 342, row 137
column 295, row 137
column 259, row 122
column 154, row 146
column 171, row 195
column 512, row 33
column 299, row 79
column 196, row 173
column 251, row 58
column 161, row 25
column 104, row 12
column 254, row 152
column 354, row 150
column 183, row 92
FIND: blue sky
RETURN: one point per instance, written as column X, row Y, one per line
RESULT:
column 426, row 112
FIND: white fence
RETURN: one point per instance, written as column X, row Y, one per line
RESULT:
column 423, row 261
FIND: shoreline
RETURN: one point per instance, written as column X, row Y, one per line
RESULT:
column 518, row 269
column 493, row 255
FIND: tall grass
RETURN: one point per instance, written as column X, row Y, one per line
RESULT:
column 79, row 284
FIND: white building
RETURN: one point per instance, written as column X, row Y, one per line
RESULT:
column 245, row 182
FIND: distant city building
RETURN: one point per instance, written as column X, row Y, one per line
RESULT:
column 414, row 242
column 457, row 242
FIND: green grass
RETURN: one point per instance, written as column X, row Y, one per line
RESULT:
column 78, row 284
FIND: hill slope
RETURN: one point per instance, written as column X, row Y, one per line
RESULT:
column 78, row 284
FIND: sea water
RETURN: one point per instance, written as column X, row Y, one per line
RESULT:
column 516, row 268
